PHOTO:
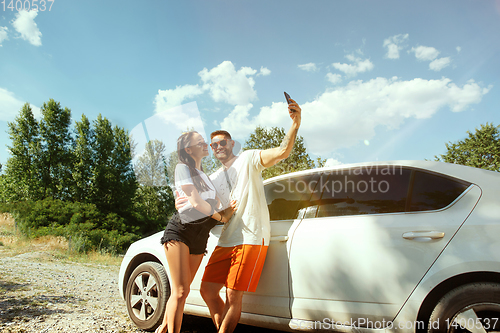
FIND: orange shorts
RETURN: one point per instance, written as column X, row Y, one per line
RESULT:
column 237, row 267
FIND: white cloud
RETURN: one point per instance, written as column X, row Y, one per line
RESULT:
column 458, row 49
column 310, row 67
column 425, row 53
column 237, row 120
column 226, row 84
column 3, row 34
column 331, row 162
column 24, row 23
column 348, row 115
column 439, row 64
column 264, row 71
column 166, row 99
column 334, row 78
column 240, row 126
column 358, row 66
column 393, row 45
column 10, row 106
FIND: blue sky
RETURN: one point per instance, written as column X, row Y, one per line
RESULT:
column 377, row 80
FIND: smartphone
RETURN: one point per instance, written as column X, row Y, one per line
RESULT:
column 288, row 99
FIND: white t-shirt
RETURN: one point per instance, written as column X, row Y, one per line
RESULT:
column 183, row 177
column 250, row 223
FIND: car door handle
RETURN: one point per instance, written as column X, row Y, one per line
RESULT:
column 279, row 239
column 423, row 234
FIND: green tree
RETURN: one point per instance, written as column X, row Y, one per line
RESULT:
column 56, row 155
column 22, row 173
column 113, row 182
column 82, row 160
column 154, row 201
column 153, row 206
column 124, row 183
column 480, row 149
column 101, row 182
column 298, row 160
column 149, row 168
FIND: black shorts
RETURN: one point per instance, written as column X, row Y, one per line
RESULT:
column 194, row 234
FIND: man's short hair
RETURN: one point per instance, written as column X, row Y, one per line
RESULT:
column 220, row 132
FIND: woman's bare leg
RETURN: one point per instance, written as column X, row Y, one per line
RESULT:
column 183, row 267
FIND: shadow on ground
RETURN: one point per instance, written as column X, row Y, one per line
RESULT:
column 193, row 324
column 24, row 307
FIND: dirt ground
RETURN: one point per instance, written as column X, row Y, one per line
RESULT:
column 43, row 293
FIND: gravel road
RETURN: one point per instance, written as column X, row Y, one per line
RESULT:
column 39, row 293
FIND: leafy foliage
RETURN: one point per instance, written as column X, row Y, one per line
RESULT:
column 85, row 227
column 480, row 149
column 154, row 200
column 82, row 187
column 55, row 155
column 298, row 160
column 82, row 160
column 150, row 166
column 153, row 206
column 22, row 173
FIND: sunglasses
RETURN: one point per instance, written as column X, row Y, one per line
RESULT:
column 215, row 145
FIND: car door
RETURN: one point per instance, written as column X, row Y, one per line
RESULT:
column 371, row 241
column 285, row 198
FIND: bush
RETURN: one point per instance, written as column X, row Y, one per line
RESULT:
column 152, row 208
column 82, row 224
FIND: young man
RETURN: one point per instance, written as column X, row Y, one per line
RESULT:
column 238, row 259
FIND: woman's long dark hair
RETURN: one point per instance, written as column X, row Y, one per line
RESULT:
column 183, row 142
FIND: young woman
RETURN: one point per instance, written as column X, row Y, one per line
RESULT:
column 186, row 235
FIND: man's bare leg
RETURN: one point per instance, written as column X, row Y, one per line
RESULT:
column 210, row 293
column 232, row 310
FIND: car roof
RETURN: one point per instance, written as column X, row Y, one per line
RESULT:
column 470, row 174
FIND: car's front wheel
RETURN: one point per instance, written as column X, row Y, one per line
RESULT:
column 472, row 308
column 146, row 295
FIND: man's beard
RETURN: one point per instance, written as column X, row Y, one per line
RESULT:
column 223, row 157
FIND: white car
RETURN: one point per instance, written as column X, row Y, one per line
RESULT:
column 407, row 246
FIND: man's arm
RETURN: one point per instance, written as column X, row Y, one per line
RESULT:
column 270, row 157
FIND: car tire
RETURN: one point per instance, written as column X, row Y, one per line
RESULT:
column 473, row 307
column 146, row 295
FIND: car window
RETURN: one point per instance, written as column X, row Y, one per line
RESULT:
column 367, row 190
column 432, row 191
column 285, row 198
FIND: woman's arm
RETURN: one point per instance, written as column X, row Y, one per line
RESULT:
column 195, row 199
column 204, row 207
